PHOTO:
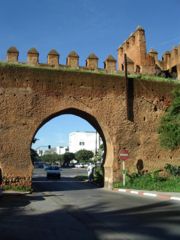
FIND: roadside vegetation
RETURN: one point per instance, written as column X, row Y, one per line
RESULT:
column 17, row 188
column 167, row 180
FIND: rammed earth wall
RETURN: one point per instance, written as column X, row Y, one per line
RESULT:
column 31, row 96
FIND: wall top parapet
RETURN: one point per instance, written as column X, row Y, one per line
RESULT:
column 152, row 51
column 139, row 28
column 174, row 49
column 12, row 50
column 53, row 60
column 167, row 53
column 73, row 54
column 53, row 52
column 131, row 36
column 92, row 56
column 110, row 58
column 33, row 50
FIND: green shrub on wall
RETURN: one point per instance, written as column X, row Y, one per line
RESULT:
column 169, row 129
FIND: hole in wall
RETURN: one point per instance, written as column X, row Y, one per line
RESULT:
column 155, row 109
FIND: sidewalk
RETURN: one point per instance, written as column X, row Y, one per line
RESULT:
column 173, row 196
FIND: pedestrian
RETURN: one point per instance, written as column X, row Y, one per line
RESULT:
column 90, row 172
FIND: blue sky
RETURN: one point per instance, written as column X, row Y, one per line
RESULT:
column 55, row 132
column 85, row 26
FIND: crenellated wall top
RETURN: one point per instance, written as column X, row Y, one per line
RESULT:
column 53, row 59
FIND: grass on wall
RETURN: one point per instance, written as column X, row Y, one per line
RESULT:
column 84, row 70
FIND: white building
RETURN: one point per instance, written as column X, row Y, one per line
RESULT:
column 84, row 140
column 62, row 150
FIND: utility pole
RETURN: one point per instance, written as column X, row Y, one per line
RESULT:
column 96, row 144
column 126, row 86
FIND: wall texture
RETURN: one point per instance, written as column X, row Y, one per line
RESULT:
column 31, row 96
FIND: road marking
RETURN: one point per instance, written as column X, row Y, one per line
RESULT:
column 53, row 181
column 134, row 192
column 150, row 194
column 175, row 198
column 122, row 190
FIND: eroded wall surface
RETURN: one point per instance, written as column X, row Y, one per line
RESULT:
column 29, row 97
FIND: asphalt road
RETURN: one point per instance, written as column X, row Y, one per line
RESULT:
column 67, row 209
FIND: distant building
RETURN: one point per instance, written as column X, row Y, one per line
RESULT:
column 62, row 150
column 50, row 151
column 57, row 150
column 84, row 140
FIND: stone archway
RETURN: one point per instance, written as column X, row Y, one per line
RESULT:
column 30, row 96
column 35, row 97
column 108, row 148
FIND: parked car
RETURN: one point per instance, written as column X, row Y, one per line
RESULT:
column 38, row 165
column 46, row 166
column 53, row 172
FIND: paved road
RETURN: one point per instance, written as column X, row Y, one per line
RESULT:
column 67, row 209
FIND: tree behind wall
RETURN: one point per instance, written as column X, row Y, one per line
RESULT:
column 83, row 155
column 52, row 158
column 67, row 157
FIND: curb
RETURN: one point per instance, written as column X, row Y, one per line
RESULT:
column 15, row 192
column 159, row 195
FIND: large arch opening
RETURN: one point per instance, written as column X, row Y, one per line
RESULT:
column 82, row 115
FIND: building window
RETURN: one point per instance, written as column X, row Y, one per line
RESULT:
column 81, row 143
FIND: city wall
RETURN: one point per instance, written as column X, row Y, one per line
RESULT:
column 31, row 95
column 142, row 62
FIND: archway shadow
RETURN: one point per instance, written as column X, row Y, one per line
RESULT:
column 64, row 184
column 93, row 222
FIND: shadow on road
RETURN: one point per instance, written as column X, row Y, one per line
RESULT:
column 63, row 184
column 151, row 221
